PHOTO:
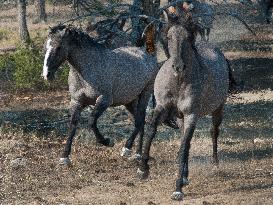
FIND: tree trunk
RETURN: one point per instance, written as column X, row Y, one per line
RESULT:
column 40, row 10
column 149, row 7
column 23, row 30
column 137, row 26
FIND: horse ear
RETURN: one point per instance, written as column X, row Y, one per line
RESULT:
column 64, row 32
column 165, row 17
column 172, row 10
column 170, row 16
column 50, row 29
column 187, row 6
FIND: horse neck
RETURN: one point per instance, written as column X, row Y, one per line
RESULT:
column 187, row 53
column 80, row 56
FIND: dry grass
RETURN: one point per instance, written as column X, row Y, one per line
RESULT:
column 100, row 176
column 9, row 24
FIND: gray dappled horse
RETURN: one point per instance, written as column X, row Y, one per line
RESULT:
column 199, row 17
column 192, row 83
column 101, row 77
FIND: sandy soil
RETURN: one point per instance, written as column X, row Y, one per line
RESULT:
column 99, row 175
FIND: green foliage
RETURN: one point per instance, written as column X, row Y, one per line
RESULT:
column 25, row 68
column 3, row 34
column 28, row 66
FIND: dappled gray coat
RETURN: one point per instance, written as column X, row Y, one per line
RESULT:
column 101, row 77
column 192, row 83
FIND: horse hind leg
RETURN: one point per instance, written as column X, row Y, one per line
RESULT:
column 207, row 34
column 217, row 118
column 158, row 116
column 139, row 115
column 202, row 34
column 132, row 108
column 139, row 129
column 102, row 103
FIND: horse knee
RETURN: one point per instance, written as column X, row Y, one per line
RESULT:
column 215, row 130
column 92, row 123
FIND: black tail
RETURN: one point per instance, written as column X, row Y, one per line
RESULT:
column 233, row 85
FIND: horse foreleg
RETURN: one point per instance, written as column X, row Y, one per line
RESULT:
column 75, row 111
column 189, row 126
column 217, row 118
column 143, row 170
column 139, row 129
column 202, row 34
column 207, row 34
column 102, row 103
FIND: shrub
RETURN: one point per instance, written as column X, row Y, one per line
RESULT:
column 25, row 68
column 28, row 67
column 3, row 34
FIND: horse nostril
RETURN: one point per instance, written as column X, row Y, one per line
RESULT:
column 177, row 68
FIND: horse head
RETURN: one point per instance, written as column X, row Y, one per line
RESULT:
column 56, row 50
column 177, row 38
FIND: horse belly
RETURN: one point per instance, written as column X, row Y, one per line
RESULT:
column 216, row 82
column 126, row 91
column 215, row 94
column 132, row 75
column 125, row 96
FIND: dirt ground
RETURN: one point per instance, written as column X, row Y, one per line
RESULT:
column 30, row 174
column 33, row 125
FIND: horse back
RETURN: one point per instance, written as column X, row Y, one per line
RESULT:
column 133, row 69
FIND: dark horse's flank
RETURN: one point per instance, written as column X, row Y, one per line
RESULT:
column 102, row 78
column 192, row 83
column 267, row 5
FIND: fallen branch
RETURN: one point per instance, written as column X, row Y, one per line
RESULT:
column 238, row 18
column 9, row 49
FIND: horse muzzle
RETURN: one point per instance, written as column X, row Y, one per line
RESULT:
column 178, row 67
column 49, row 76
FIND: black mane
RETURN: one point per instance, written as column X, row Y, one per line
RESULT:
column 79, row 37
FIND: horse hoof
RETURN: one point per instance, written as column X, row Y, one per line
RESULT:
column 111, row 142
column 178, row 196
column 215, row 162
column 186, row 181
column 125, row 152
column 64, row 161
column 135, row 157
column 142, row 174
column 107, row 142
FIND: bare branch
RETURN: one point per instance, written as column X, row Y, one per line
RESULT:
column 235, row 15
